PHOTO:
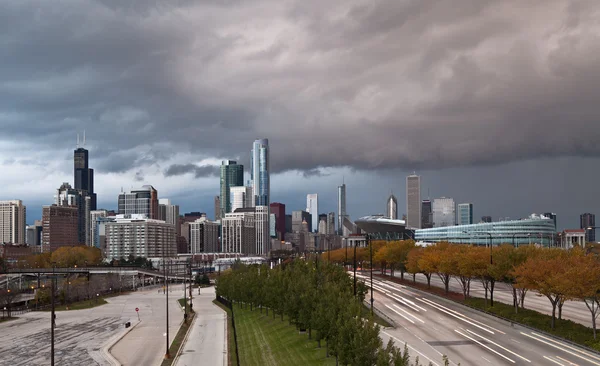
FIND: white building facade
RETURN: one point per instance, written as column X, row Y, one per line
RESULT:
column 141, row 237
column 241, row 197
column 13, row 222
column 444, row 212
column 312, row 207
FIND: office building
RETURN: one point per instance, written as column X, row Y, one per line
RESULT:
column 142, row 201
column 278, row 209
column 341, row 208
column 413, row 201
column 169, row 213
column 465, row 213
column 94, row 222
column 312, row 207
column 587, row 221
column 272, row 223
column 138, row 236
column 83, row 175
column 67, row 196
column 533, row 230
column 486, row 219
column 260, row 172
column 217, row 208
column 232, row 175
column 551, row 215
column 298, row 217
column 392, row 207
column 60, row 227
column 323, row 227
column 13, row 222
column 444, row 212
column 238, row 233
column 288, row 223
column 34, row 234
column 331, row 223
column 204, row 236
column 426, row 214
column 240, row 197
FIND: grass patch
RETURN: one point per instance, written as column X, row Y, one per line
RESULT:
column 230, row 339
column 566, row 329
column 178, row 340
column 80, row 305
column 263, row 340
column 366, row 312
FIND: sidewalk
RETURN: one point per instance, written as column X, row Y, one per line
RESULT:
column 206, row 343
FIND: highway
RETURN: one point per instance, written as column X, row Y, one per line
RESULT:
column 432, row 327
column 573, row 310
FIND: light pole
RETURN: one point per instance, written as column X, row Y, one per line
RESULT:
column 52, row 317
column 513, row 239
column 167, row 354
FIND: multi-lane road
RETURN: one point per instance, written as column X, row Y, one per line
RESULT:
column 433, row 327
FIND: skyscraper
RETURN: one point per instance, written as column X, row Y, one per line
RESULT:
column 298, row 217
column 392, row 207
column 331, row 223
column 465, row 213
column 260, row 172
column 444, row 212
column 67, row 196
column 12, row 222
column 169, row 213
column 59, row 227
column 413, row 201
column 588, row 220
column 312, row 207
column 426, row 214
column 240, row 197
column 83, row 175
column 217, row 208
column 95, row 215
column 486, row 219
column 279, row 210
column 232, row 175
column 142, row 201
column 341, row 208
column 551, row 215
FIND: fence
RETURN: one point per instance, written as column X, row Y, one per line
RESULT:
column 227, row 303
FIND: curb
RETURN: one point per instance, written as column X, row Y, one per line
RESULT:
column 187, row 334
column 106, row 349
column 511, row 322
column 226, row 332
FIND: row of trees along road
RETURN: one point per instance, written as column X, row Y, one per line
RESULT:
column 557, row 274
column 318, row 297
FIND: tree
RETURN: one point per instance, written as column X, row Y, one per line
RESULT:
column 435, row 260
column 584, row 273
column 397, row 254
column 7, row 297
column 413, row 264
column 469, row 261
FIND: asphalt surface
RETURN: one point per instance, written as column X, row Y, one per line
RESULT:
column 432, row 327
column 573, row 310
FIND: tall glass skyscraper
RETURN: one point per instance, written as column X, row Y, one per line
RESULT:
column 413, row 201
column 260, row 172
column 392, row 207
column 465, row 213
column 232, row 175
column 83, row 175
column 341, row 208
column 444, row 212
column 312, row 207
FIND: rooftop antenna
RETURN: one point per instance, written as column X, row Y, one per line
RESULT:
column 78, row 141
column 83, row 138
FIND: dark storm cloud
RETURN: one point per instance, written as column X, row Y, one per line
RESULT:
column 198, row 171
column 365, row 84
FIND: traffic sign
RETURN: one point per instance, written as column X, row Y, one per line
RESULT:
column 137, row 309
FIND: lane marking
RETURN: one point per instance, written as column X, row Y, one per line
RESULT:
column 456, row 316
column 514, row 340
column 409, row 313
column 397, row 312
column 567, row 346
column 562, row 349
column 430, row 360
column 486, row 359
column 484, row 346
column 556, row 362
column 499, row 346
column 567, row 361
column 461, row 314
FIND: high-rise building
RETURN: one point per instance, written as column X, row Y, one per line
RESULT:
column 204, row 236
column 413, row 201
column 288, row 223
column 217, row 208
column 587, row 221
column 60, row 227
column 232, row 175
column 238, row 233
column 465, row 213
column 142, row 201
column 272, row 223
column 261, row 224
column 444, row 212
column 83, row 175
column 94, row 223
column 486, row 219
column 240, row 197
column 260, row 172
column 67, row 196
column 341, row 208
column 312, row 207
column 34, row 234
column 551, row 215
column 297, row 218
column 331, row 223
column 169, row 213
column 426, row 214
column 13, row 222
column 392, row 207
column 279, row 210
column 139, row 236
column 323, row 227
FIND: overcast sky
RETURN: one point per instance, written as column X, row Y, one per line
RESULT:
column 492, row 102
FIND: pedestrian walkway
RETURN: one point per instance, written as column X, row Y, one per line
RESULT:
column 206, row 343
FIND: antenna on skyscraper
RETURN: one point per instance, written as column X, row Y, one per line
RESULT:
column 78, row 141
column 83, row 138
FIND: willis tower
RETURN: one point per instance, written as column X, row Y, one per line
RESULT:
column 84, row 176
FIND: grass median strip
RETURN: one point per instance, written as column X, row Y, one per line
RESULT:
column 264, row 340
column 178, row 340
